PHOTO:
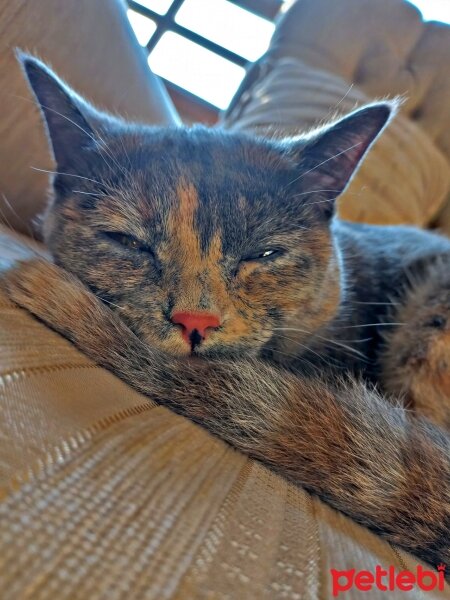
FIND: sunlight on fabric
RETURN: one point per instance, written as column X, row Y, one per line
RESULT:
column 228, row 25
column 196, row 69
column 143, row 27
column 434, row 10
column 159, row 6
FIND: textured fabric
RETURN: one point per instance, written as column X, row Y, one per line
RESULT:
column 105, row 495
column 88, row 42
column 328, row 57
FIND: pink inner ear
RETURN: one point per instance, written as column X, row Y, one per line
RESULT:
column 333, row 163
column 325, row 183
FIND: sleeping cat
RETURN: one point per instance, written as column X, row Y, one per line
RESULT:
column 207, row 270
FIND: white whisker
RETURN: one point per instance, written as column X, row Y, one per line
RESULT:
column 109, row 302
column 66, row 174
column 376, row 303
column 381, row 324
column 95, row 194
column 27, row 225
column 324, row 162
column 94, row 139
column 340, row 344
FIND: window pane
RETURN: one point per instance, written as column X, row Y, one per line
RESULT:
column 196, row 69
column 434, row 10
column 159, row 6
column 228, row 25
column 143, row 27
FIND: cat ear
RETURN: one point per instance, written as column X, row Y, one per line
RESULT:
column 64, row 112
column 331, row 156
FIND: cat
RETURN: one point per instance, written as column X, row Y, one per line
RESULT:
column 208, row 270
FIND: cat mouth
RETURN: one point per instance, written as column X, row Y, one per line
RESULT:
column 195, row 340
column 197, row 348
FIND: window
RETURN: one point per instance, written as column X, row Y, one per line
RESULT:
column 434, row 10
column 201, row 47
column 196, row 69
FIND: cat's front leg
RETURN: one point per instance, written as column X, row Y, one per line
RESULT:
column 49, row 293
column 60, row 300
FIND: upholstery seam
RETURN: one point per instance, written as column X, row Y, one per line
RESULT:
column 73, row 441
column 16, row 374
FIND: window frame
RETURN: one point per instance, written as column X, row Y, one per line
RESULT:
column 262, row 8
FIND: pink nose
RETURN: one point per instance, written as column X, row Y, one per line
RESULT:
column 192, row 322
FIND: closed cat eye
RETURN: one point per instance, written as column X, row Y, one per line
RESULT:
column 128, row 241
column 264, row 255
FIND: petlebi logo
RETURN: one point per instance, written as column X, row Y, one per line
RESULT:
column 388, row 580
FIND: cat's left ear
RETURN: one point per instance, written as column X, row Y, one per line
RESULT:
column 329, row 157
column 71, row 122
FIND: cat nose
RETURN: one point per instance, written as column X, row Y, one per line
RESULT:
column 196, row 325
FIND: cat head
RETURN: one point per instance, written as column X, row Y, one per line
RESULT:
column 204, row 241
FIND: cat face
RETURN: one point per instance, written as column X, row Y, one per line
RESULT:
column 199, row 223
column 205, row 242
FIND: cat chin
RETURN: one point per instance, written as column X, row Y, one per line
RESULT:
column 215, row 352
column 175, row 347
column 226, row 353
column 182, row 351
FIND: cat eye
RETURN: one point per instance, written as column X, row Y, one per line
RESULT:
column 264, row 255
column 437, row 322
column 128, row 241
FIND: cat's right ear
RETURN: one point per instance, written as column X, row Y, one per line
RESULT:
column 65, row 113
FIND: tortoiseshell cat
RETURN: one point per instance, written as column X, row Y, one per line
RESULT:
column 216, row 280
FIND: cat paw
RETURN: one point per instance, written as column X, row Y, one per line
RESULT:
column 25, row 272
column 25, row 283
column 60, row 300
column 43, row 289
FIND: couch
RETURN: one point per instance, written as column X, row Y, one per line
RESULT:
column 104, row 494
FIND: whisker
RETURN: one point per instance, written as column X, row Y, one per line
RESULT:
column 109, row 302
column 66, row 174
column 376, row 303
column 317, row 202
column 340, row 344
column 23, row 241
column 309, row 192
column 307, row 348
column 94, row 139
column 324, row 162
column 95, row 194
column 296, row 357
column 370, row 325
column 342, row 99
column 27, row 225
column 323, row 359
column 358, row 341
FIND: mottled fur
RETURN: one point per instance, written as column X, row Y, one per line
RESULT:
column 415, row 363
column 155, row 221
